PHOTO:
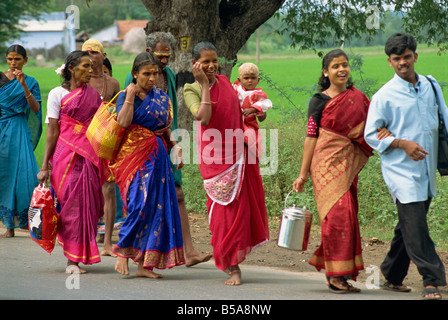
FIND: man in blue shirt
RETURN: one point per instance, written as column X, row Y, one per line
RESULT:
column 406, row 106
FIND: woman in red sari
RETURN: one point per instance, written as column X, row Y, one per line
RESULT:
column 75, row 168
column 334, row 153
column 235, row 195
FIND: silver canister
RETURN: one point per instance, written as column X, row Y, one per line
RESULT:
column 295, row 228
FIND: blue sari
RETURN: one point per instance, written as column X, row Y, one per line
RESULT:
column 152, row 230
column 20, row 131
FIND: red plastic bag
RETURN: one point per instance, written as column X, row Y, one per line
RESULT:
column 43, row 218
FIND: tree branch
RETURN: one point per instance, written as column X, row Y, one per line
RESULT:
column 240, row 19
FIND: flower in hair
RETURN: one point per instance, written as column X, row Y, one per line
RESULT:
column 60, row 69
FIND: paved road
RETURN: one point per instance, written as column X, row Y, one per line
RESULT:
column 28, row 272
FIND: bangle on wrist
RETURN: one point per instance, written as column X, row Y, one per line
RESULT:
column 44, row 169
column 305, row 180
column 29, row 95
column 205, row 102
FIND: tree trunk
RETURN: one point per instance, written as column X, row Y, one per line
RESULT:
column 227, row 24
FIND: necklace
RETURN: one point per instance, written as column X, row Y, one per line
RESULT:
column 102, row 75
column 332, row 94
column 104, row 86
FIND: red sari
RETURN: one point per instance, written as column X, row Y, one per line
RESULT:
column 340, row 154
column 235, row 194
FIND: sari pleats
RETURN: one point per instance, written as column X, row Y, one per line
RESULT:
column 340, row 252
column 241, row 226
column 81, row 207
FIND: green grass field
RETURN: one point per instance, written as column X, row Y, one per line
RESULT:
column 288, row 73
column 303, row 72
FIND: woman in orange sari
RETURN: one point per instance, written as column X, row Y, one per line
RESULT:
column 334, row 153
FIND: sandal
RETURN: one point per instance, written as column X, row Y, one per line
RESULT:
column 395, row 287
column 335, row 289
column 428, row 291
column 347, row 287
column 352, row 289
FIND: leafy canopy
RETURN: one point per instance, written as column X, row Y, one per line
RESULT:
column 316, row 23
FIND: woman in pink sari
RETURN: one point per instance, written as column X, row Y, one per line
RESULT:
column 76, row 171
column 235, row 195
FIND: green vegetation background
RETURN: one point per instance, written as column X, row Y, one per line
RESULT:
column 289, row 79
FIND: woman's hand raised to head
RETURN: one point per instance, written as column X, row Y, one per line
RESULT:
column 199, row 74
column 134, row 90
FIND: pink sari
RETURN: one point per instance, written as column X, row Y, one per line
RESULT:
column 75, row 177
column 235, row 194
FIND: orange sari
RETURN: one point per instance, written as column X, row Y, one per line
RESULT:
column 340, row 154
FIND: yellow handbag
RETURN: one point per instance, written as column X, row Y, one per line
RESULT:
column 104, row 132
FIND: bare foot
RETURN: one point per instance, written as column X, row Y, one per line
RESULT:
column 142, row 272
column 8, row 234
column 107, row 252
column 196, row 257
column 74, row 268
column 235, row 276
column 121, row 266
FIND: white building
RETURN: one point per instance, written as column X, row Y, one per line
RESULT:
column 46, row 33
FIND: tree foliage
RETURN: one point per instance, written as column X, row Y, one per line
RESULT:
column 316, row 23
column 428, row 20
column 12, row 11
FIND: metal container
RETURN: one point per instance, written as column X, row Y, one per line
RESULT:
column 295, row 228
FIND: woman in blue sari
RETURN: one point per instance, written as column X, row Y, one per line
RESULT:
column 20, row 130
column 152, row 233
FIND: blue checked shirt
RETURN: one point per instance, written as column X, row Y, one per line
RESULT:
column 411, row 114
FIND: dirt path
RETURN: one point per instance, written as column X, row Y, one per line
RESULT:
column 270, row 255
